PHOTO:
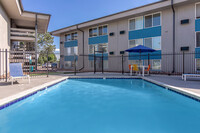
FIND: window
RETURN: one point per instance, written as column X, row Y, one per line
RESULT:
column 198, row 64
column 148, row 42
column 157, row 43
column 152, row 20
column 156, row 19
column 74, row 36
column 198, row 11
column 98, row 31
column 103, row 48
column 72, row 51
column 91, row 49
column 154, row 43
column 68, row 51
column 148, row 21
column 76, row 50
column 136, row 23
column 156, row 64
column 134, row 43
column 198, row 39
column 93, row 32
column 68, row 37
column 68, row 64
column 103, row 30
column 98, row 47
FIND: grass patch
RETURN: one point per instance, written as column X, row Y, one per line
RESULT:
column 50, row 73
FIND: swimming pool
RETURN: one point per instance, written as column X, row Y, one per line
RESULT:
column 102, row 106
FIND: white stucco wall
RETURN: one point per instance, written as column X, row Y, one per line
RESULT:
column 4, row 38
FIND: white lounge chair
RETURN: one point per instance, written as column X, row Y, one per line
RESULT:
column 184, row 76
column 16, row 72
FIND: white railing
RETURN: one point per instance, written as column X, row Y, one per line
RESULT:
column 22, row 34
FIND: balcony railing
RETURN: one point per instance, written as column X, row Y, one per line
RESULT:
column 19, row 34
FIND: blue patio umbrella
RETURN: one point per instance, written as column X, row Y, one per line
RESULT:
column 140, row 49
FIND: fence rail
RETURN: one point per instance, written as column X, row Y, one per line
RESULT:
column 27, row 58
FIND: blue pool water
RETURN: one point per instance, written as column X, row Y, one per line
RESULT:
column 103, row 106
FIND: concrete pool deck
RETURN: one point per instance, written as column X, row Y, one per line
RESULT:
column 9, row 93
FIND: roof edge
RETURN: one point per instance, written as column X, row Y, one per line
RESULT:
column 108, row 15
column 22, row 8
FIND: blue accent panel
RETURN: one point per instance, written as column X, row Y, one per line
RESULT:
column 70, row 58
column 105, row 56
column 197, row 53
column 73, row 43
column 145, row 33
column 98, row 40
column 197, row 25
column 144, row 56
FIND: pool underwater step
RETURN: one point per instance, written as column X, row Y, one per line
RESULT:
column 23, row 95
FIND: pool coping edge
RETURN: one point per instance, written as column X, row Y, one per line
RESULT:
column 187, row 93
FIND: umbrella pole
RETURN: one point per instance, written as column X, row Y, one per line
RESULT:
column 140, row 59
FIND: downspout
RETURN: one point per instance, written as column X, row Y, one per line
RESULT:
column 83, row 48
column 174, row 32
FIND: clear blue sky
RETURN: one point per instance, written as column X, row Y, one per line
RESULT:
column 69, row 12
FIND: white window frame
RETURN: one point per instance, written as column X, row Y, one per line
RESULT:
column 96, row 45
column 196, row 65
column 97, row 30
column 152, row 20
column 195, row 48
column 135, row 18
column 71, row 36
column 196, row 34
column 135, row 39
column 153, row 41
column 198, row 3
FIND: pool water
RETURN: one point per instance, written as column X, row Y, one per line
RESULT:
column 103, row 106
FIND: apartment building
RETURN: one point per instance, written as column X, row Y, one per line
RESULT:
column 168, row 26
column 18, row 33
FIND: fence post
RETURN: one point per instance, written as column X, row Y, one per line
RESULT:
column 102, row 63
column 74, row 64
column 6, row 65
column 94, row 61
column 47, row 64
column 183, row 62
column 122, row 64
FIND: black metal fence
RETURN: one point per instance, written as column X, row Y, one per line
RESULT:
column 30, row 65
column 168, row 64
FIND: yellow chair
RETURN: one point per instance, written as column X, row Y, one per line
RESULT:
column 135, row 68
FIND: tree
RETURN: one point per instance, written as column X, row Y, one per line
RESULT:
column 45, row 45
column 45, row 39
